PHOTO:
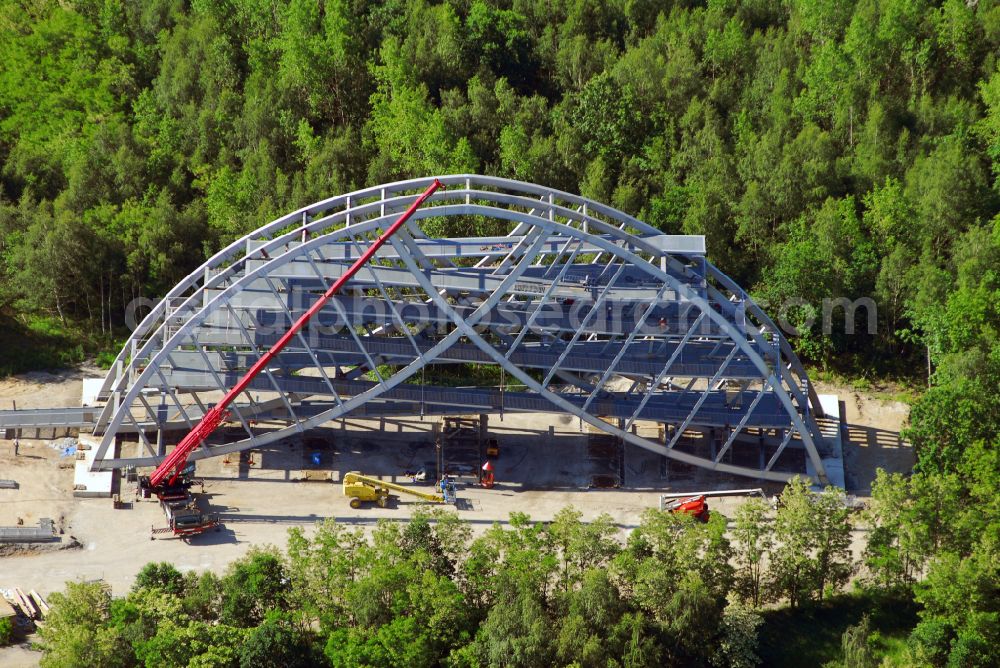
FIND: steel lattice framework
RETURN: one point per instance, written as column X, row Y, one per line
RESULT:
column 586, row 310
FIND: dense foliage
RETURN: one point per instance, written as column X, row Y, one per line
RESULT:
column 6, row 631
column 935, row 536
column 670, row 592
column 425, row 593
column 826, row 148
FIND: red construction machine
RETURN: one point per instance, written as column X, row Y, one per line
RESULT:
column 171, row 481
column 184, row 517
column 696, row 506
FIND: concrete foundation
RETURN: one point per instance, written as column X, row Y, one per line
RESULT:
column 87, row 483
column 43, row 533
column 832, row 428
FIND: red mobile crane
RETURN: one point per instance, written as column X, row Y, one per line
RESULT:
column 165, row 480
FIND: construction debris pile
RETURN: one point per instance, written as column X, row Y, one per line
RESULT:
column 23, row 609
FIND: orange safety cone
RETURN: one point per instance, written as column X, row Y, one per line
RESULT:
column 486, row 479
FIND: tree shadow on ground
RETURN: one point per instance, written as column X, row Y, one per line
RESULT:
column 810, row 636
column 24, row 349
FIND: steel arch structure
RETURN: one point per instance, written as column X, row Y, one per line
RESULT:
column 584, row 310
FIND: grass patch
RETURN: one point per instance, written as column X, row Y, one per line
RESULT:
column 461, row 375
column 46, row 344
column 811, row 635
column 107, row 352
column 37, row 344
column 888, row 388
column 893, row 650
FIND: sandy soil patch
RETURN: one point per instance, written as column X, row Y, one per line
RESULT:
column 872, row 436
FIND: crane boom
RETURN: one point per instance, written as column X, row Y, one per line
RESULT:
column 174, row 462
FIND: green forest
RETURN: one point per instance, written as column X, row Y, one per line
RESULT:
column 825, row 148
column 674, row 592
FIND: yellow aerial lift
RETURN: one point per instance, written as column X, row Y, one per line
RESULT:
column 360, row 488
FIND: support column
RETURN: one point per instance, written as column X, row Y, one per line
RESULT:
column 620, row 453
column 438, row 449
column 664, row 460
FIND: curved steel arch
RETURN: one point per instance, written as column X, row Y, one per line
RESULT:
column 569, row 289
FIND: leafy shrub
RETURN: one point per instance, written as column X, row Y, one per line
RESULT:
column 6, row 631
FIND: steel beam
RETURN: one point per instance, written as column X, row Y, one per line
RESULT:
column 503, row 300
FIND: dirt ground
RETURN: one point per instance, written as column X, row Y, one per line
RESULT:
column 871, row 436
column 41, row 389
column 538, row 472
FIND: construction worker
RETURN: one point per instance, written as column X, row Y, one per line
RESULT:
column 486, row 479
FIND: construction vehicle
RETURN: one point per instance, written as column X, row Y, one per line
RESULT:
column 696, row 506
column 694, row 503
column 360, row 488
column 184, row 519
column 165, row 479
column 493, row 448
